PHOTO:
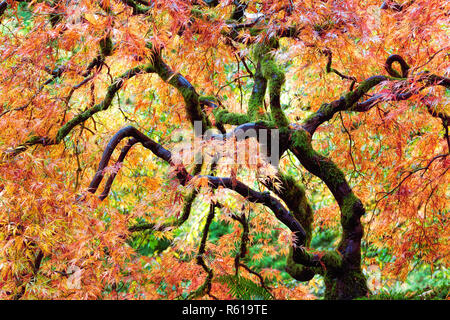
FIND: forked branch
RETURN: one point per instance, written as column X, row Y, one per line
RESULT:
column 282, row 214
column 403, row 89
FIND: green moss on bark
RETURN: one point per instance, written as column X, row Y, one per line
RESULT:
column 301, row 140
column 206, row 98
column 256, row 108
column 332, row 260
column 225, row 117
column 345, row 286
column 106, row 46
column 348, row 209
column 262, row 53
column 293, row 194
column 353, row 96
column 112, row 89
column 190, row 96
column 297, row 271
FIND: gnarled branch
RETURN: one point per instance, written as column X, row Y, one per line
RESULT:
column 282, row 214
column 349, row 101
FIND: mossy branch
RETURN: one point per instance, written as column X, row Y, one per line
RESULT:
column 205, row 288
column 226, row 117
column 186, row 89
column 282, row 214
column 351, row 207
column 106, row 102
column 275, row 77
column 345, row 102
column 256, row 108
column 137, row 8
column 350, row 100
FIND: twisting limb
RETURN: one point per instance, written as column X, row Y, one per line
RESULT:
column 282, row 214
column 349, row 101
column 271, row 73
column 129, row 131
column 404, row 66
column 348, row 253
column 350, row 143
column 193, row 106
column 329, row 69
column 243, row 220
column 82, row 117
column 328, row 110
column 256, row 108
column 205, row 288
column 428, row 80
column 131, row 142
column 294, row 195
column 275, row 78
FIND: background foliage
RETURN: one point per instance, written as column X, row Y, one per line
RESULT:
column 395, row 156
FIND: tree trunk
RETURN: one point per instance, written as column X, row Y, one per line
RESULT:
column 346, row 285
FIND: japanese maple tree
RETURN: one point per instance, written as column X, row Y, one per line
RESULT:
column 353, row 97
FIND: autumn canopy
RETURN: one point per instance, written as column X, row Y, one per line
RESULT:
column 169, row 149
